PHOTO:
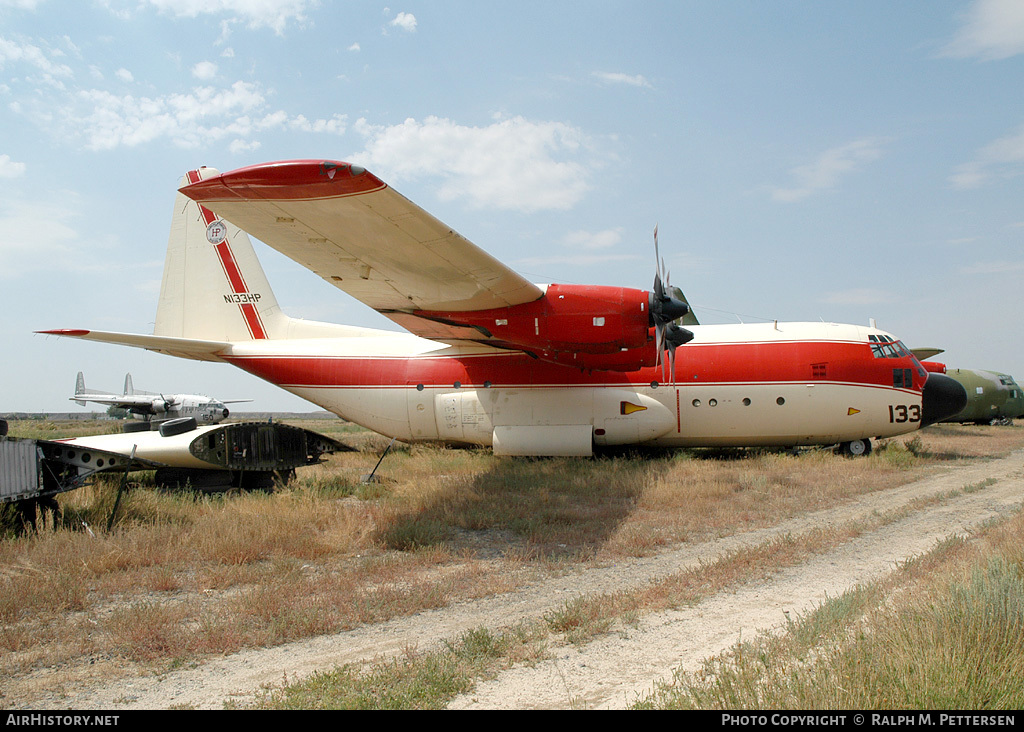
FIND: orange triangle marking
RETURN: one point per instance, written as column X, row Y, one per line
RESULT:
column 627, row 408
column 851, row 411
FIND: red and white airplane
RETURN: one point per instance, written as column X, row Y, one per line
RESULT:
column 491, row 358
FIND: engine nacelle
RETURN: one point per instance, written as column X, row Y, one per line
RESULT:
column 159, row 406
column 630, row 359
column 590, row 326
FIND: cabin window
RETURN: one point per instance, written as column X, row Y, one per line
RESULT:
column 902, row 378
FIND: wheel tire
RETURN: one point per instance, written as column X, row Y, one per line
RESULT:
column 856, row 448
column 177, row 426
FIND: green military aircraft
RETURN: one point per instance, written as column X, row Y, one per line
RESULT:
column 992, row 397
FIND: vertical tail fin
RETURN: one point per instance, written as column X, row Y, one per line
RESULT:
column 129, row 388
column 213, row 287
column 80, row 388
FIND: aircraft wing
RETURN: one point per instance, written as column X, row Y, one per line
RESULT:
column 363, row 237
column 115, row 400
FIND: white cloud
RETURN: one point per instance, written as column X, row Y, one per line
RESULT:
column 237, row 147
column 202, row 116
column 511, row 164
column 204, row 70
column 18, row 52
column 405, row 21
column 826, row 170
column 593, row 239
column 9, row 168
column 354, row 47
column 619, row 78
column 124, row 75
column 991, row 29
column 1003, row 156
column 273, row 14
column 36, row 235
column 20, row 4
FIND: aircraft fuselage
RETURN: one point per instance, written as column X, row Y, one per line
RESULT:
column 814, row 383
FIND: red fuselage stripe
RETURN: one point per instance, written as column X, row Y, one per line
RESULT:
column 696, row 364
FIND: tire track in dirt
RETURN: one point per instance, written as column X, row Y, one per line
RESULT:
column 614, row 671
column 611, row 671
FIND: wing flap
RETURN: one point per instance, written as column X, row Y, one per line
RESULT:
column 365, row 238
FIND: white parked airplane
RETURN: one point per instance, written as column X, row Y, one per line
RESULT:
column 147, row 405
column 491, row 358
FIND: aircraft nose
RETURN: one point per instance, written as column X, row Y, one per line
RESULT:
column 226, row 412
column 942, row 397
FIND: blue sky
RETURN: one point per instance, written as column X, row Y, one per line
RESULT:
column 803, row 160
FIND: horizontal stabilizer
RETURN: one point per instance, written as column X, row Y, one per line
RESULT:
column 197, row 350
column 923, row 354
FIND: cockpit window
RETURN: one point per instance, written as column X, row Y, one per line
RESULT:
column 882, row 346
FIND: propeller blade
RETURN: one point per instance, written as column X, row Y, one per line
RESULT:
column 657, row 255
column 666, row 308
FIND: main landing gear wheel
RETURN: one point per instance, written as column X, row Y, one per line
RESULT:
column 856, row 448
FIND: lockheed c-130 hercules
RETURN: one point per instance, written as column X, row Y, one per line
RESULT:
column 491, row 358
column 992, row 397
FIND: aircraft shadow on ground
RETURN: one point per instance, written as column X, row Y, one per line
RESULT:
column 531, row 507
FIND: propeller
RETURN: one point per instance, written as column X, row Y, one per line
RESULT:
column 664, row 309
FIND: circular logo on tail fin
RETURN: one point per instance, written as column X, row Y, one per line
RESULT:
column 216, row 232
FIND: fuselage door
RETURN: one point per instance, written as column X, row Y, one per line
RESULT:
column 422, row 424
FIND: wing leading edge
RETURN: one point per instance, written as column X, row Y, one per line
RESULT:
column 363, row 237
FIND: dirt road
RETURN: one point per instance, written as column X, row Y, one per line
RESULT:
column 610, row 672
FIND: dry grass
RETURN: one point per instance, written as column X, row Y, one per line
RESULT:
column 947, row 632
column 181, row 576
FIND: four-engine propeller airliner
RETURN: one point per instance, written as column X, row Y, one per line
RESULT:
column 148, row 405
column 491, row 358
